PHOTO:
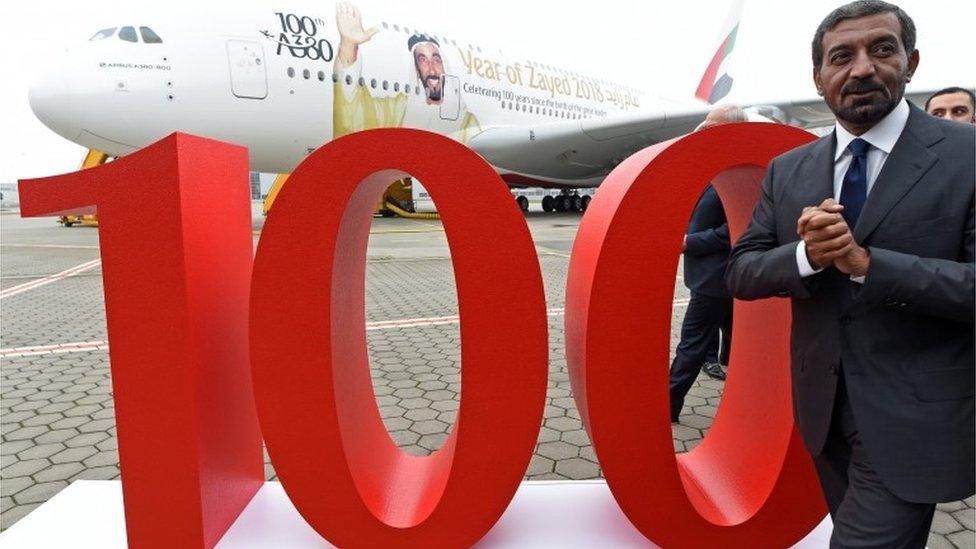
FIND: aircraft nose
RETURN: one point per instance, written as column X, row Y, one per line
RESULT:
column 50, row 99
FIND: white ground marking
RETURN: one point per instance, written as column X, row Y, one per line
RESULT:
column 57, row 246
column 21, row 288
column 14, row 352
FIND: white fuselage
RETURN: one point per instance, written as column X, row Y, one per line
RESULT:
column 266, row 80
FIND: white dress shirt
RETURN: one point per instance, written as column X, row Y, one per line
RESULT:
column 882, row 138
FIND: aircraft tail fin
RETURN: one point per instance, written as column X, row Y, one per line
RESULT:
column 716, row 82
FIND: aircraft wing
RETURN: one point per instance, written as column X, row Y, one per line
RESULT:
column 580, row 153
column 813, row 113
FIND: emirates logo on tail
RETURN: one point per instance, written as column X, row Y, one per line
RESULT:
column 716, row 82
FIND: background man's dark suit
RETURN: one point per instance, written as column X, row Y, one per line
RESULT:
column 710, row 308
column 904, row 340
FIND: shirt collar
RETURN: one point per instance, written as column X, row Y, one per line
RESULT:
column 882, row 136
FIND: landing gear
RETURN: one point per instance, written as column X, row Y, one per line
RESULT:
column 562, row 203
column 575, row 203
column 523, row 202
column 568, row 200
column 548, row 203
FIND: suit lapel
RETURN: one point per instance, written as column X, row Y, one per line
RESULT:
column 906, row 164
column 816, row 174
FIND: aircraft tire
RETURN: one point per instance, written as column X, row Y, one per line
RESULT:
column 548, row 203
column 562, row 203
column 523, row 203
column 575, row 203
column 585, row 202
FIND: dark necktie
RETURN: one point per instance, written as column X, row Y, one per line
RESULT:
column 854, row 192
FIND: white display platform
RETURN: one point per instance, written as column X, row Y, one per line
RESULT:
column 553, row 514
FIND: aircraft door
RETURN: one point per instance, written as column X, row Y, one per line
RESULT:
column 248, row 75
column 451, row 104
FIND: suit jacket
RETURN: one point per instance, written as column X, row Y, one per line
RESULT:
column 904, row 340
column 707, row 247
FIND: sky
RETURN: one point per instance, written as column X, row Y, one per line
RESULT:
column 662, row 47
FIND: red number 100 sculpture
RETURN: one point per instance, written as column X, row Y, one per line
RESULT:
column 211, row 353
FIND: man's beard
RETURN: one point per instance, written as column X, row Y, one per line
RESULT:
column 867, row 109
column 434, row 94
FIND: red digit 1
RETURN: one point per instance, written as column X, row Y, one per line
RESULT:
column 750, row 482
column 313, row 389
column 175, row 234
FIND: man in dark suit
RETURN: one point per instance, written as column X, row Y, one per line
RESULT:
column 870, row 231
column 706, row 249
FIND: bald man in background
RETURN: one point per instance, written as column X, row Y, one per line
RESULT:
column 706, row 250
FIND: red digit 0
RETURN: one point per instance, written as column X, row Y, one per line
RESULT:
column 308, row 346
column 175, row 235
column 750, row 483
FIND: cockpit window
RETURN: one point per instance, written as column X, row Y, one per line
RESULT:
column 104, row 33
column 128, row 34
column 149, row 37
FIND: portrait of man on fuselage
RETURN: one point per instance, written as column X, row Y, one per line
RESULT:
column 366, row 98
column 430, row 66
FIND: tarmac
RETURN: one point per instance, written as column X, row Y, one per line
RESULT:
column 57, row 418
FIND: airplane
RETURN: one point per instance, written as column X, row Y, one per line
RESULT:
column 283, row 83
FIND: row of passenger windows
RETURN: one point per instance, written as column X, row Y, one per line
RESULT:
column 407, row 88
column 372, row 83
column 531, row 109
column 128, row 34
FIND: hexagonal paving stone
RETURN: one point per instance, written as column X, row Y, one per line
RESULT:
column 391, row 411
column 86, row 439
column 59, row 435
column 11, row 485
column 576, row 438
column 61, row 471
column 577, row 469
column 432, row 442
column 558, row 450
column 966, row 538
column 943, row 523
column 404, row 438
column 966, row 517
column 445, row 405
column 421, row 414
column 25, row 433
column 397, row 423
column 539, row 465
column 40, row 492
column 41, row 451
column 73, row 454
column 564, row 424
column 433, row 385
column 429, row 427
column 411, row 392
column 413, row 403
column 24, row 468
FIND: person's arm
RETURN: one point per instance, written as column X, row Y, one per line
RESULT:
column 349, row 24
column 760, row 266
column 353, row 107
column 708, row 241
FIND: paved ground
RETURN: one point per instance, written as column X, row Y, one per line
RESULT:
column 56, row 409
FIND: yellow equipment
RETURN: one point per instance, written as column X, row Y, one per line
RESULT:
column 92, row 158
column 393, row 202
